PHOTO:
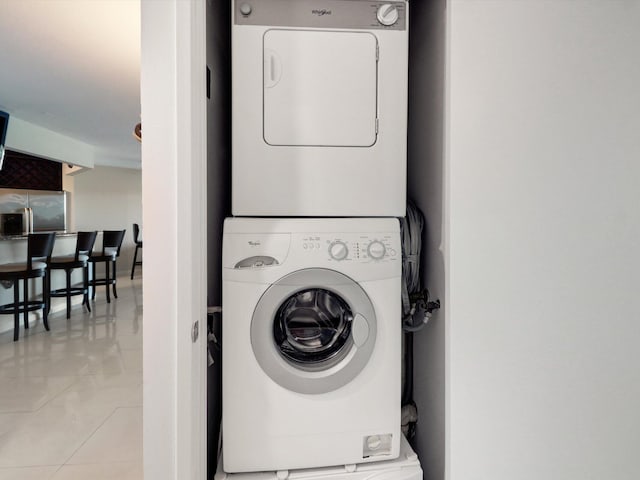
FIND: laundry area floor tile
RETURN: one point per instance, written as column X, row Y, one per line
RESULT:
column 118, row 439
column 100, row 471
column 28, row 394
column 28, row 473
column 71, row 398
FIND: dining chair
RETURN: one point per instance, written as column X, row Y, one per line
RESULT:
column 111, row 245
column 39, row 249
column 68, row 263
column 138, row 241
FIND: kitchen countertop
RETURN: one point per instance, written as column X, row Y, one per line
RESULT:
column 24, row 236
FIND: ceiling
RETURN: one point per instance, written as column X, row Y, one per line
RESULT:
column 73, row 67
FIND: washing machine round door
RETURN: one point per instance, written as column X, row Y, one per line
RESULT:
column 313, row 331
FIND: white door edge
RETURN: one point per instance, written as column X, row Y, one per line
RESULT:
column 173, row 100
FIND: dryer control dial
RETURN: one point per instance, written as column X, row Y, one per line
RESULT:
column 376, row 250
column 388, row 14
column 338, row 250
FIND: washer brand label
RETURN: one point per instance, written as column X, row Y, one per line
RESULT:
column 254, row 243
column 321, row 13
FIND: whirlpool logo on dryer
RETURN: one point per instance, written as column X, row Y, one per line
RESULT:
column 321, row 12
column 254, row 243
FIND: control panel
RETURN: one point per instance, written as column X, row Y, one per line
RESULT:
column 354, row 14
column 363, row 248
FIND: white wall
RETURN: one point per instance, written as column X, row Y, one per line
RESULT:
column 543, row 257
column 28, row 138
column 108, row 198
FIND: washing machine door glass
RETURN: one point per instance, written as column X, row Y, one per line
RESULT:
column 313, row 331
column 312, row 326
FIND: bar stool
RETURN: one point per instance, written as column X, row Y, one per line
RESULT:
column 68, row 263
column 39, row 248
column 138, row 242
column 111, row 244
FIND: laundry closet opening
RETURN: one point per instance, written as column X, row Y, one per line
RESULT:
column 424, row 171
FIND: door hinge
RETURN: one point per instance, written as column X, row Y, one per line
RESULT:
column 195, row 331
column 208, row 83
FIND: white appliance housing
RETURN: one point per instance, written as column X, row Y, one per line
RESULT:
column 319, row 107
column 311, row 342
column 405, row 467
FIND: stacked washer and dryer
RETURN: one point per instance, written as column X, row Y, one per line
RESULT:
column 312, row 257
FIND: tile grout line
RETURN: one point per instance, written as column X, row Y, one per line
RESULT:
column 89, row 436
column 57, row 470
column 49, row 477
column 76, row 379
column 66, row 463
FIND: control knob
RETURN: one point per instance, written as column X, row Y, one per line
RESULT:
column 376, row 250
column 245, row 9
column 338, row 250
column 388, row 14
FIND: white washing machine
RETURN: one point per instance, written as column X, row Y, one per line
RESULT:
column 311, row 342
column 405, row 467
column 319, row 107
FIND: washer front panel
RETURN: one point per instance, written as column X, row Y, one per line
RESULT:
column 325, row 374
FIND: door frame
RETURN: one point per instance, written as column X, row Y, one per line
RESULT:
column 173, row 101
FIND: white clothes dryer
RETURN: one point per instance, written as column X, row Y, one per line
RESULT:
column 319, row 107
column 405, row 467
column 311, row 342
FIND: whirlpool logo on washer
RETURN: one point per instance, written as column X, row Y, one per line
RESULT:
column 254, row 243
column 321, row 12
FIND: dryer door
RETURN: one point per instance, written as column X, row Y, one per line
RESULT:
column 313, row 331
column 320, row 88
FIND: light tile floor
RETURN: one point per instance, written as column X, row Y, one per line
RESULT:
column 71, row 398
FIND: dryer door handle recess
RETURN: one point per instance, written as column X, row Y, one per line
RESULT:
column 272, row 69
